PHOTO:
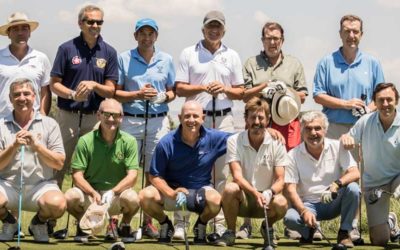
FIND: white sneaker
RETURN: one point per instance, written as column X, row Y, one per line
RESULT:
column 179, row 231
column 8, row 231
column 220, row 229
column 394, row 229
column 354, row 234
column 39, row 232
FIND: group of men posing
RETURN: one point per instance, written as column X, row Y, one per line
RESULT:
column 103, row 141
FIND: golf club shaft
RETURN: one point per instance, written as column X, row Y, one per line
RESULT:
column 323, row 235
column 20, row 194
column 143, row 154
column 360, row 167
column 267, row 226
column 184, row 229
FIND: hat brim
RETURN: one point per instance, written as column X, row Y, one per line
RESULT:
column 275, row 117
column 4, row 28
column 213, row 19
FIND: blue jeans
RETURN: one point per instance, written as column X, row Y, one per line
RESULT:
column 344, row 205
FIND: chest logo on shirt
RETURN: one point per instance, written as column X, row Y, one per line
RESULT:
column 39, row 136
column 120, row 155
column 159, row 69
column 76, row 60
column 101, row 63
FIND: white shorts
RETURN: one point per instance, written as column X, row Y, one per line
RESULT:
column 30, row 194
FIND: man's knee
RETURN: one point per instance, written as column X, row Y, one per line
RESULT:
column 213, row 201
column 129, row 198
column 279, row 206
column 54, row 202
column 231, row 189
column 147, row 196
column 379, row 234
column 353, row 189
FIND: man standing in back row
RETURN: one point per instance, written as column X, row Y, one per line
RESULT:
column 85, row 71
column 211, row 73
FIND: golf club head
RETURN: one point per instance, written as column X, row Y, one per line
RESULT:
column 359, row 242
column 139, row 234
column 117, row 246
column 268, row 248
column 61, row 234
column 339, row 247
column 213, row 237
column 14, row 248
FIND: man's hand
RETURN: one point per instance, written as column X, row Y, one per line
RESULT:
column 347, row 141
column 354, row 103
column 267, row 194
column 107, row 197
column 147, row 92
column 25, row 137
column 96, row 197
column 358, row 112
column 215, row 88
column 180, row 199
column 84, row 89
column 276, row 135
column 309, row 218
column 273, row 87
column 330, row 194
column 159, row 98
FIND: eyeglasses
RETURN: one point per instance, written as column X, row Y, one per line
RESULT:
column 271, row 38
column 108, row 114
column 92, row 22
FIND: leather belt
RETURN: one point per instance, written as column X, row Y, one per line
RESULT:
column 77, row 111
column 143, row 115
column 222, row 112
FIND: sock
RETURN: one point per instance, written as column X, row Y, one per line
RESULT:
column 354, row 224
column 165, row 220
column 36, row 220
column 9, row 218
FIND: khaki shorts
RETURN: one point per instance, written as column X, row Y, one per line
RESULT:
column 115, row 208
column 378, row 212
column 249, row 207
column 30, row 194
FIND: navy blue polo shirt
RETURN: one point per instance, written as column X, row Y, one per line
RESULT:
column 181, row 165
column 76, row 62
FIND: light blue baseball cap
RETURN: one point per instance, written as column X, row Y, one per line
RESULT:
column 146, row 22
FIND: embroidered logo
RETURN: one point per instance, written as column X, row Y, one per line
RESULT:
column 101, row 63
column 76, row 60
column 120, row 156
column 159, row 69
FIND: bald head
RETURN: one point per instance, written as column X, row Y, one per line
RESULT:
column 193, row 105
column 110, row 103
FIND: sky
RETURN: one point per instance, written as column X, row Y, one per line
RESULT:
column 311, row 27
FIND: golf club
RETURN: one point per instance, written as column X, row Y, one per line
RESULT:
column 21, row 183
column 139, row 233
column 62, row 234
column 267, row 245
column 212, row 237
column 117, row 246
column 184, row 229
column 334, row 246
column 360, row 240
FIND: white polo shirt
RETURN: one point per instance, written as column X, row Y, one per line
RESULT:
column 197, row 66
column 257, row 166
column 35, row 66
column 314, row 176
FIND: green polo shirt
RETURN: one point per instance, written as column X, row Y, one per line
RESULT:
column 257, row 69
column 105, row 165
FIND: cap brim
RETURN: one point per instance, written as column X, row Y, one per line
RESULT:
column 32, row 24
column 213, row 19
column 275, row 117
column 148, row 25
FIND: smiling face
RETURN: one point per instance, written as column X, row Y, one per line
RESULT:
column 22, row 98
column 191, row 117
column 213, row 32
column 110, row 115
column 351, row 34
column 257, row 122
column 19, row 34
column 313, row 133
column 385, row 101
column 146, row 37
column 91, row 24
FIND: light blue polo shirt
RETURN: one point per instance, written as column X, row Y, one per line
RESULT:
column 381, row 150
column 134, row 73
column 335, row 77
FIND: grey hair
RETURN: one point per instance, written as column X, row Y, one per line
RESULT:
column 22, row 81
column 113, row 101
column 89, row 8
column 311, row 116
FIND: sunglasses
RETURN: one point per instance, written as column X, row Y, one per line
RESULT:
column 92, row 22
column 108, row 114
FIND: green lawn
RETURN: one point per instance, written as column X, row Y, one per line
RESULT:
column 255, row 243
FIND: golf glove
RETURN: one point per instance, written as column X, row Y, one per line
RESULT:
column 180, row 199
column 107, row 197
column 273, row 87
column 330, row 193
column 358, row 112
column 268, row 196
column 396, row 193
column 159, row 98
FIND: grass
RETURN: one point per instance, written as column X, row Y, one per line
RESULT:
column 330, row 228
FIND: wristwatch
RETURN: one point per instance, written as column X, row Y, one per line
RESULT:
column 72, row 95
column 339, row 183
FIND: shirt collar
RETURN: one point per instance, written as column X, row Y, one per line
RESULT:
column 97, row 134
column 156, row 56
column 199, row 46
column 10, row 117
column 6, row 51
column 303, row 149
column 246, row 141
column 99, row 40
column 178, row 133
column 343, row 61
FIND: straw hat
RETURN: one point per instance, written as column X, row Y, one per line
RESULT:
column 16, row 19
column 285, row 107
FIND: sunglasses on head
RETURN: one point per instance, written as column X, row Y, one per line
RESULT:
column 92, row 22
